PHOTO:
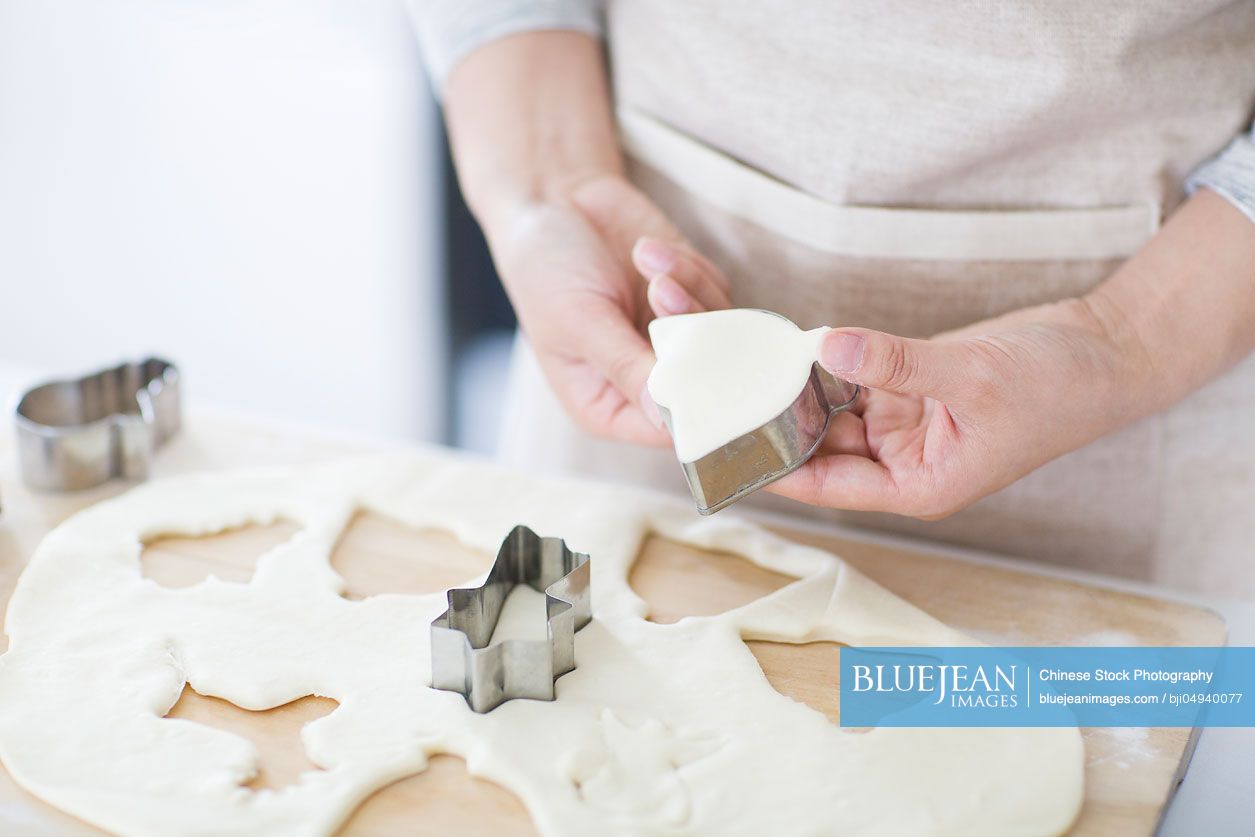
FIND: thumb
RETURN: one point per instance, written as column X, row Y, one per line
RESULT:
column 896, row 364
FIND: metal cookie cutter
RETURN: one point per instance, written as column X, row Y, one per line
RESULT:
column 766, row 454
column 76, row 434
column 460, row 658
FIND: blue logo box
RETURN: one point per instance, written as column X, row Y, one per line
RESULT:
column 1048, row 687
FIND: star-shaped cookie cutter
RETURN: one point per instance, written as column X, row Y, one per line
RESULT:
column 461, row 660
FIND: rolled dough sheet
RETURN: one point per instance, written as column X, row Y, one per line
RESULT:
column 722, row 374
column 662, row 729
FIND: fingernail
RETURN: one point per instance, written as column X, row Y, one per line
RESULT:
column 669, row 296
column 653, row 257
column 842, row 353
column 649, row 408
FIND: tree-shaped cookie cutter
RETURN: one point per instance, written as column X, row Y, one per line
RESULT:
column 461, row 660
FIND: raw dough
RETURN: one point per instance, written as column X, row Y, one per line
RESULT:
column 722, row 374
column 666, row 729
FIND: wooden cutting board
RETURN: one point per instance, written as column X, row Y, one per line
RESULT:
column 1130, row 773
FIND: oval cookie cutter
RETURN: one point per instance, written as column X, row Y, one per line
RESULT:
column 777, row 448
column 487, row 676
column 74, row 434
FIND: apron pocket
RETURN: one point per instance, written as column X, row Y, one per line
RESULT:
column 879, row 232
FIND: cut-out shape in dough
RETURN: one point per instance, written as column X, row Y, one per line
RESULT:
column 677, row 580
column 722, row 374
column 82, row 614
column 281, row 758
column 230, row 555
column 443, row 799
column 375, row 556
column 810, row 674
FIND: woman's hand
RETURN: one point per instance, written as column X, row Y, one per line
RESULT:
column 947, row 421
column 940, row 423
column 944, row 422
column 576, row 272
column 538, row 160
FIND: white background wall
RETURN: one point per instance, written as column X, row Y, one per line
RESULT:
column 249, row 187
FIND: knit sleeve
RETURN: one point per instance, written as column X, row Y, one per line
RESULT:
column 449, row 30
column 1231, row 173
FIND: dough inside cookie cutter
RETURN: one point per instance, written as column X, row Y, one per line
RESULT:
column 720, row 475
column 776, row 449
column 462, row 661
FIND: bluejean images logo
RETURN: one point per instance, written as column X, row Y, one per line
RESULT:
column 981, row 686
column 1047, row 687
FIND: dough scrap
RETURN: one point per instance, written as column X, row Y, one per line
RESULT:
column 661, row 729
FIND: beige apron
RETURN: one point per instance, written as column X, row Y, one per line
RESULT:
column 913, row 168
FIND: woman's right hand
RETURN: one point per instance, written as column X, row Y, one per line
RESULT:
column 585, row 274
column 574, row 243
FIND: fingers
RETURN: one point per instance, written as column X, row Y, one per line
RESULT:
column 617, row 351
column 631, row 425
column 631, row 222
column 652, row 255
column 938, row 368
column 650, row 408
column 681, row 280
column 840, row 481
column 597, row 405
column 846, row 434
column 842, row 473
column 667, row 297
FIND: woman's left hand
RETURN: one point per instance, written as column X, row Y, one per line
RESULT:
column 945, row 421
